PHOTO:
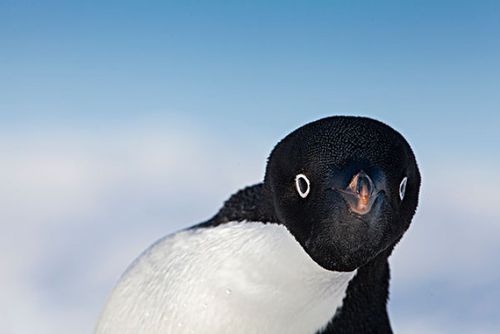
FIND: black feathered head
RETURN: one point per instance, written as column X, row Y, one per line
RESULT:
column 345, row 187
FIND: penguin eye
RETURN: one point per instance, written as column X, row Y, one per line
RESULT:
column 402, row 188
column 302, row 185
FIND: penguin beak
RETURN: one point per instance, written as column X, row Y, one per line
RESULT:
column 360, row 194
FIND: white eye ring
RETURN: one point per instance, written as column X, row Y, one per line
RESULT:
column 402, row 188
column 299, row 185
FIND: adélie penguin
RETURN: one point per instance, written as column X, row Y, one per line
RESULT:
column 304, row 252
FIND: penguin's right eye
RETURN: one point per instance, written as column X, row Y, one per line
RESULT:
column 402, row 188
column 302, row 185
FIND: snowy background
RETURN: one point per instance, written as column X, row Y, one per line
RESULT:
column 121, row 122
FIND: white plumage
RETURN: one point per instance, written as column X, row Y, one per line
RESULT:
column 239, row 277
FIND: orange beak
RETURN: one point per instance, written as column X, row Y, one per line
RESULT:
column 359, row 193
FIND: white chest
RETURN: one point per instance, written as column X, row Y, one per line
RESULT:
column 234, row 278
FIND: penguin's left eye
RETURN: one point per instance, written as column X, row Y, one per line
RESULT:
column 302, row 185
column 402, row 188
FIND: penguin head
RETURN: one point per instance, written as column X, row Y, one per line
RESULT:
column 345, row 187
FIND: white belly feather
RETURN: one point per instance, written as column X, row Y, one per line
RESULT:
column 235, row 278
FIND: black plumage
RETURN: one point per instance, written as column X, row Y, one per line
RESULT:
column 330, row 152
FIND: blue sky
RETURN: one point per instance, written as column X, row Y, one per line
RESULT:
column 112, row 114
